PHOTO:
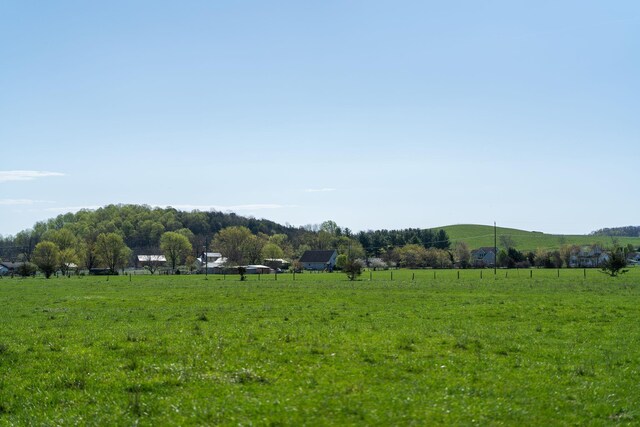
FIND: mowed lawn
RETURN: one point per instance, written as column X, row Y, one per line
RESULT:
column 412, row 350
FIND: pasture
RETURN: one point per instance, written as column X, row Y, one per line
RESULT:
column 413, row 350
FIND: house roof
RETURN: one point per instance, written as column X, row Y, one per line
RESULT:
column 152, row 258
column 12, row 265
column 317, row 256
column 485, row 249
column 214, row 264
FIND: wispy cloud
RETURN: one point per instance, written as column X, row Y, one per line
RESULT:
column 21, row 202
column 319, row 190
column 65, row 209
column 6, row 176
column 221, row 208
column 249, row 207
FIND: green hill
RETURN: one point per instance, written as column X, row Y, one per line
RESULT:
column 482, row 235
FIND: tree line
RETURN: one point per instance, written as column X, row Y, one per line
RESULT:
column 112, row 236
column 628, row 231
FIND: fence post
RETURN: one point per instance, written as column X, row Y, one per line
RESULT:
column 585, row 273
column 392, row 276
column 413, row 276
column 458, row 274
column 370, row 275
column 481, row 274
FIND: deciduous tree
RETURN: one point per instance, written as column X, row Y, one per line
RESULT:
column 272, row 251
column 233, row 242
column 175, row 247
column 462, row 254
column 352, row 268
column 46, row 256
column 68, row 256
column 112, row 251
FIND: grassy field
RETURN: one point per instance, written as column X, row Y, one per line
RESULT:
column 478, row 236
column 419, row 349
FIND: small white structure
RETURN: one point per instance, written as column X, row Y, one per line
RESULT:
column 258, row 269
column 150, row 261
column 211, row 262
column 151, row 258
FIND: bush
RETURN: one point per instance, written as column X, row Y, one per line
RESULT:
column 27, row 269
column 616, row 263
column 353, row 269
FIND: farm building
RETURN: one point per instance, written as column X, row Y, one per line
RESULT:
column 483, row 257
column 11, row 267
column 210, row 256
column 277, row 263
column 258, row 269
column 155, row 260
column 319, row 260
column 214, row 263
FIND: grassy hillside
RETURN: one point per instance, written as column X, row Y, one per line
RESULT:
column 482, row 235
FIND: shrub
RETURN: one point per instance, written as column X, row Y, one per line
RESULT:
column 615, row 264
column 353, row 269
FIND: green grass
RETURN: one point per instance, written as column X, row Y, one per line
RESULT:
column 478, row 236
column 416, row 350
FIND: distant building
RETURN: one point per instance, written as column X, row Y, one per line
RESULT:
column 319, row 260
column 258, row 269
column 211, row 262
column 483, row 257
column 588, row 256
column 10, row 267
column 211, row 256
column 150, row 261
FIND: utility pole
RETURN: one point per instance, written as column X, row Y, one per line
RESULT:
column 206, row 264
column 495, row 249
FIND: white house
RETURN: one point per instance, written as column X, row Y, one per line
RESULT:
column 589, row 256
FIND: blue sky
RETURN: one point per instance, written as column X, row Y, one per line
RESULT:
column 375, row 114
